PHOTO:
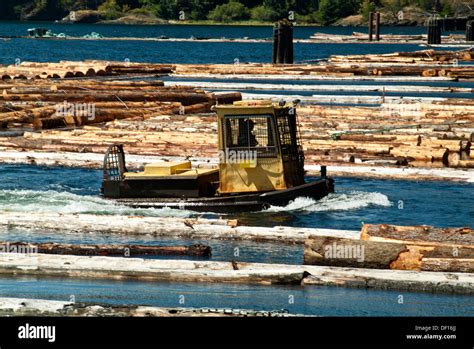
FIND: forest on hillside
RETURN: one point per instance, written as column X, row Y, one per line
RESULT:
column 309, row 11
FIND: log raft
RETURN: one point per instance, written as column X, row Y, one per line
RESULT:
column 42, row 307
column 429, row 63
column 145, row 115
column 454, row 40
column 42, row 265
column 434, row 134
column 413, row 262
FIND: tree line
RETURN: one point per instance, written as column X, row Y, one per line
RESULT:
column 310, row 11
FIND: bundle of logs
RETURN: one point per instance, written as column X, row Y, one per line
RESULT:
column 73, row 69
column 424, row 134
column 396, row 247
column 109, row 111
column 46, row 104
column 420, row 134
column 427, row 63
column 384, row 38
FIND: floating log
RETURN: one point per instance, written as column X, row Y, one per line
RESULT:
column 198, row 228
column 115, row 268
column 424, row 235
column 106, row 250
column 92, row 157
column 341, row 252
column 422, row 153
column 414, row 281
column 293, row 87
column 448, row 264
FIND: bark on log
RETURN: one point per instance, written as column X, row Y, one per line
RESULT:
column 387, row 255
column 448, row 265
column 106, row 250
column 424, row 235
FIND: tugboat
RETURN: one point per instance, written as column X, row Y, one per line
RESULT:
column 261, row 163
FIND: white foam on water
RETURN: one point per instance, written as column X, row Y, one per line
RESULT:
column 66, row 202
column 353, row 200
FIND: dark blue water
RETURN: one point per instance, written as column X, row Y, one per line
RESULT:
column 186, row 31
column 314, row 300
column 170, row 52
column 176, row 52
column 356, row 200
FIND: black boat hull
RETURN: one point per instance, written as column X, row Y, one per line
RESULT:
column 235, row 203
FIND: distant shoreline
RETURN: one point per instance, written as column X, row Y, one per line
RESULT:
column 204, row 23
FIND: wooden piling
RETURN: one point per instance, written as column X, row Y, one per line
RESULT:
column 377, row 26
column 470, row 31
column 434, row 31
column 371, row 26
column 282, row 42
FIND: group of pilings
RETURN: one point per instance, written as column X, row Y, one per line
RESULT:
column 434, row 29
column 374, row 26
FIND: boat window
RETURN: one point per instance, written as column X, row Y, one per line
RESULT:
column 287, row 131
column 250, row 132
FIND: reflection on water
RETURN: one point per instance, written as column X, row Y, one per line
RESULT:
column 311, row 300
